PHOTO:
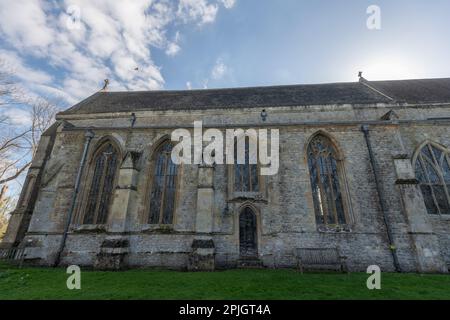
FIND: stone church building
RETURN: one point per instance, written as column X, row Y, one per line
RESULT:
column 364, row 167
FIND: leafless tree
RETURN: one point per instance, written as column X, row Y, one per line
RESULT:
column 18, row 142
column 8, row 85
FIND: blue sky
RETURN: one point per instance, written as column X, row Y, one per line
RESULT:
column 282, row 42
column 218, row 43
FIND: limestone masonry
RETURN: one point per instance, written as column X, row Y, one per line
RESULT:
column 363, row 167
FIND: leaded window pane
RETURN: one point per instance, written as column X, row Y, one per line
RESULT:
column 430, row 204
column 169, row 200
column 107, row 190
column 254, row 178
column 324, row 175
column 437, row 153
column 441, row 198
column 102, row 185
column 157, row 189
column 420, row 174
column 162, row 197
column 246, row 178
column 433, row 173
column 426, row 152
column 446, row 170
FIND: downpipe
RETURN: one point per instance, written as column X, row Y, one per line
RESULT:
column 365, row 130
column 88, row 136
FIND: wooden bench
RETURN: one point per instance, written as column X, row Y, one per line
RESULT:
column 320, row 259
column 13, row 255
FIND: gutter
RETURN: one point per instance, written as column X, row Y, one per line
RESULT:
column 365, row 130
column 89, row 135
column 430, row 121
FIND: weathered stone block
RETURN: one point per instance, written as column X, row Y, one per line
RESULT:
column 202, row 257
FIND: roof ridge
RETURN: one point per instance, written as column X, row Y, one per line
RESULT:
column 372, row 82
column 235, row 88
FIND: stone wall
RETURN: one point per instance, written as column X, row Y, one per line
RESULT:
column 285, row 212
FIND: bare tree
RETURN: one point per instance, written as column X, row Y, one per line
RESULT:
column 18, row 144
column 19, row 141
column 8, row 85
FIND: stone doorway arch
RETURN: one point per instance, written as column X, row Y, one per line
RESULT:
column 248, row 234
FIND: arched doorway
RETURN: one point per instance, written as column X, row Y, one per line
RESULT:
column 248, row 237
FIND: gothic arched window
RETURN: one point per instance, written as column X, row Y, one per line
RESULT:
column 164, row 185
column 104, row 168
column 325, row 169
column 246, row 177
column 433, row 173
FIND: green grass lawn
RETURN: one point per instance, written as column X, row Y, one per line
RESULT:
column 47, row 283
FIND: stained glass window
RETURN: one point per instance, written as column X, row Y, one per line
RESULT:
column 162, row 197
column 246, row 178
column 324, row 174
column 433, row 173
column 104, row 164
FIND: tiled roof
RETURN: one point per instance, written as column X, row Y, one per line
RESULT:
column 410, row 91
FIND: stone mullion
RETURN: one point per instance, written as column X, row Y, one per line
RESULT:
column 324, row 207
column 330, row 180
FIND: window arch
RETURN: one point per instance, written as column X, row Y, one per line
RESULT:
column 104, row 169
column 164, row 185
column 325, row 170
column 432, row 170
column 246, row 177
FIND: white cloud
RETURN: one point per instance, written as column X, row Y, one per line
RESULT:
column 25, row 22
column 54, row 94
column 219, row 70
column 228, row 3
column 189, row 85
column 18, row 116
column 197, row 10
column 17, row 67
column 111, row 40
column 173, row 48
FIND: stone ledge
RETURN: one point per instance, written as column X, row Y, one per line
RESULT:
column 334, row 229
column 158, row 228
column 90, row 228
column 244, row 196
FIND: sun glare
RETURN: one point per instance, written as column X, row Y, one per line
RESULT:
column 391, row 68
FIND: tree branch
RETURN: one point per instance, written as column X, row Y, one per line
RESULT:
column 18, row 173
